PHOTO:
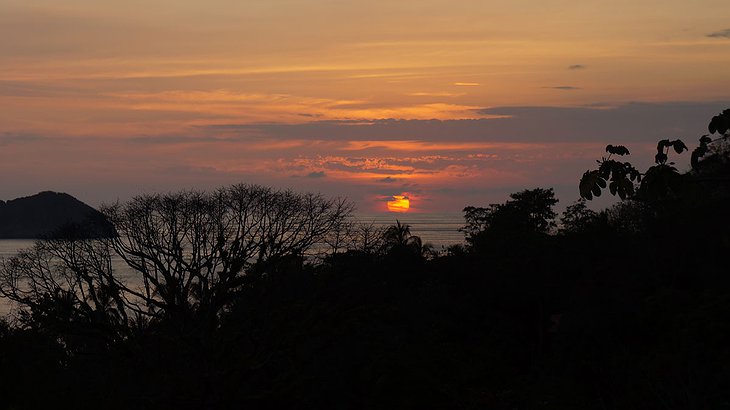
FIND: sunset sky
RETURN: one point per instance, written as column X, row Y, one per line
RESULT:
column 448, row 103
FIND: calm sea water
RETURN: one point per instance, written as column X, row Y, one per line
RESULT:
column 8, row 248
column 437, row 229
column 440, row 230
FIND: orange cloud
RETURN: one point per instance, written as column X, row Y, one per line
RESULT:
column 415, row 146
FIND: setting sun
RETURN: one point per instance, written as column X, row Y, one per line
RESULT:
column 400, row 203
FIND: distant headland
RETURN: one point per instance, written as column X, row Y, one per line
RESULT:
column 49, row 214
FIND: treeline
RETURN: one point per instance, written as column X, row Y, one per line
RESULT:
column 234, row 304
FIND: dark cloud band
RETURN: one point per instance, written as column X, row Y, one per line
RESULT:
column 642, row 122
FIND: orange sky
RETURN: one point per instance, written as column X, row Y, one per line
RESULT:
column 105, row 100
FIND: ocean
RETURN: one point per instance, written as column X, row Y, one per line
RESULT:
column 440, row 230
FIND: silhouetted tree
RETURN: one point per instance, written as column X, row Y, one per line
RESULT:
column 353, row 236
column 368, row 238
column 577, row 218
column 400, row 235
column 398, row 238
column 187, row 253
column 67, row 286
column 194, row 250
column 528, row 211
column 629, row 217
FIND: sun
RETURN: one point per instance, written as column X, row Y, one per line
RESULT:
column 400, row 203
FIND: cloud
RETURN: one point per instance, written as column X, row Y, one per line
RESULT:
column 466, row 84
column 576, row 67
column 600, row 122
column 387, row 180
column 381, row 169
column 8, row 138
column 720, row 34
column 564, row 87
column 258, row 107
column 480, row 160
column 12, row 88
column 435, row 94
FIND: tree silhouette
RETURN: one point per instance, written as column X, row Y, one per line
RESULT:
column 188, row 252
column 68, row 286
column 577, row 218
column 398, row 237
column 528, row 211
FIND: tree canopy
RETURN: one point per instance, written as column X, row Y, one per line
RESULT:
column 528, row 211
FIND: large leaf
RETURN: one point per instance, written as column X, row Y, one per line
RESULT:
column 591, row 184
column 679, row 146
column 720, row 123
column 626, row 189
column 621, row 187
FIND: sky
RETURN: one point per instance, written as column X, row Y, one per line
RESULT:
column 447, row 103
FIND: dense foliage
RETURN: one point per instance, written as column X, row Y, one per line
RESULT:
column 618, row 309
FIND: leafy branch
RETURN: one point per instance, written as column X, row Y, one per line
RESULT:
column 660, row 180
column 618, row 176
column 719, row 124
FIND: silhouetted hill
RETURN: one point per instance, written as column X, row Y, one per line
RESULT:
column 50, row 214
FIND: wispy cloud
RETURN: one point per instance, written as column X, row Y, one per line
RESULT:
column 261, row 107
column 564, row 87
column 428, row 146
column 720, row 34
column 466, row 84
column 435, row 94
column 40, row 89
column 8, row 138
column 576, row 67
